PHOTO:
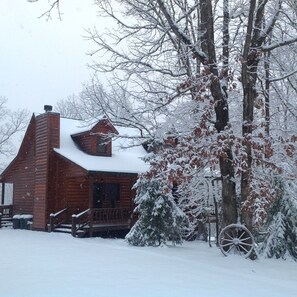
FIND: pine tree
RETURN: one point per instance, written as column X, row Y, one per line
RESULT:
column 160, row 219
column 281, row 241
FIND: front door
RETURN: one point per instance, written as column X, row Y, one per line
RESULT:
column 98, row 195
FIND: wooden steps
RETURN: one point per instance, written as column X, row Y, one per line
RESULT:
column 6, row 216
column 67, row 228
column 97, row 228
column 5, row 222
column 64, row 228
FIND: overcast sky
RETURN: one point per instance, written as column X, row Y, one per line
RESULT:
column 43, row 61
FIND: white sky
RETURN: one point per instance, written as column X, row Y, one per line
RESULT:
column 44, row 61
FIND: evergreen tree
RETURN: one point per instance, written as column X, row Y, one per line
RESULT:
column 281, row 241
column 160, row 219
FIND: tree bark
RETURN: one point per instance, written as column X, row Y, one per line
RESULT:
column 229, row 205
column 250, row 62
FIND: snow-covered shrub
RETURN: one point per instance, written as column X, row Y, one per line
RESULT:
column 281, row 241
column 160, row 219
column 196, row 197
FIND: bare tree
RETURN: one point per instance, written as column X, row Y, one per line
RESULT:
column 70, row 108
column 11, row 123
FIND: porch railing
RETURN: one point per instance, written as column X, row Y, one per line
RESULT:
column 5, row 211
column 80, row 222
column 58, row 218
column 87, row 220
column 110, row 215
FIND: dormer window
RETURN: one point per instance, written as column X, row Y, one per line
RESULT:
column 102, row 146
column 98, row 140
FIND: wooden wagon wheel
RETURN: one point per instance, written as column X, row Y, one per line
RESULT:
column 236, row 239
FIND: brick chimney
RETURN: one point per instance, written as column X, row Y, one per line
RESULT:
column 47, row 138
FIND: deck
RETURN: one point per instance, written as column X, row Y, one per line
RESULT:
column 90, row 221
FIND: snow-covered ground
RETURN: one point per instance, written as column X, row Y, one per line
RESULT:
column 58, row 265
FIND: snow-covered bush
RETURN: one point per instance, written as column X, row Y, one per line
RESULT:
column 197, row 197
column 160, row 219
column 281, row 241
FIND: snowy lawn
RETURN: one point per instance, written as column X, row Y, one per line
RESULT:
column 58, row 265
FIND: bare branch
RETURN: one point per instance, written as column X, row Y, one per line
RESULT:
column 10, row 124
column 173, row 26
column 275, row 45
column 48, row 14
column 283, row 77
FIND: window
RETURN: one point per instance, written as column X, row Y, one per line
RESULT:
column 6, row 193
column 102, row 146
column 113, row 194
column 98, row 195
column 106, row 195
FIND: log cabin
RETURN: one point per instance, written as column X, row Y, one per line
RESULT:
column 74, row 178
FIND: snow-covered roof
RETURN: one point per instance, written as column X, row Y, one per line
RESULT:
column 125, row 158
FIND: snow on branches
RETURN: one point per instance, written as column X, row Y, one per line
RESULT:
column 280, row 242
column 160, row 219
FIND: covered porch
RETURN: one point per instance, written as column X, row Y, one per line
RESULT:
column 94, row 203
column 91, row 221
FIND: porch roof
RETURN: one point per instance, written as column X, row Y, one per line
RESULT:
column 126, row 158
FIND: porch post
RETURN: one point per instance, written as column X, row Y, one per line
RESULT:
column 91, row 182
column 3, row 194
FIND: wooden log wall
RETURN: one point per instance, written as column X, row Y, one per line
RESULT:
column 126, row 182
column 21, row 173
column 69, row 186
column 72, row 187
column 88, row 144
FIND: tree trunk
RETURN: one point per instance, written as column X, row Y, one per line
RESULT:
column 229, row 205
column 267, row 92
column 248, row 78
